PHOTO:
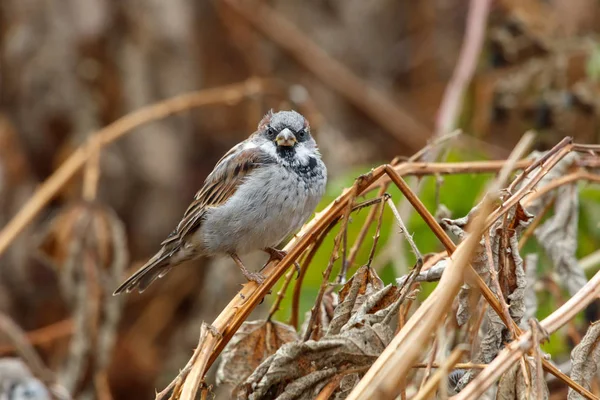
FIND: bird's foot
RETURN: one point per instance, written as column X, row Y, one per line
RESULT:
column 254, row 277
column 251, row 276
column 276, row 254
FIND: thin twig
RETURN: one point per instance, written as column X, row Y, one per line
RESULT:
column 563, row 180
column 404, row 231
column 535, row 223
column 198, row 370
column 91, row 174
column 539, row 378
column 436, row 379
column 281, row 293
column 44, row 335
column 377, row 230
column 16, row 336
column 334, row 256
column 495, row 282
column 298, row 286
column 457, row 366
column 432, row 355
column 365, row 229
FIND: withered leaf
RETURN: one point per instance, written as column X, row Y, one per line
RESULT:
column 354, row 340
column 558, row 237
column 368, row 278
column 585, row 359
column 251, row 345
column 512, row 385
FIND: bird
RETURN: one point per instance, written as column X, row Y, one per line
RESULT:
column 259, row 193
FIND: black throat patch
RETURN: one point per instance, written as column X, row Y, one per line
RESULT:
column 286, row 152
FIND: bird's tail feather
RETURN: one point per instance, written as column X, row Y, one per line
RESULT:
column 155, row 268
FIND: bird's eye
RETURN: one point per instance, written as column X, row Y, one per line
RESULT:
column 301, row 135
column 271, row 132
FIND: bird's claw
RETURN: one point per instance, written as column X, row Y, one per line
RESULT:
column 256, row 277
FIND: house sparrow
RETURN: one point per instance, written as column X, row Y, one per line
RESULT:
column 258, row 194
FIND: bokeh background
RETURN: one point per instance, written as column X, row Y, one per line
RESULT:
column 369, row 75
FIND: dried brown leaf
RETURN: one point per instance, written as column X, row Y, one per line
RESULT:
column 512, row 385
column 324, row 316
column 368, row 280
column 585, row 359
column 250, row 346
column 558, row 237
column 509, row 264
column 356, row 337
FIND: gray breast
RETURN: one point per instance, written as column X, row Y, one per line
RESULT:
column 269, row 206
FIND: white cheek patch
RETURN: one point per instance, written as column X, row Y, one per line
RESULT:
column 269, row 148
column 303, row 154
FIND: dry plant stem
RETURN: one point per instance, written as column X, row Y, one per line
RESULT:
column 377, row 230
column 474, row 329
column 380, row 381
column 334, row 256
column 563, row 180
column 395, row 361
column 465, row 67
column 331, row 387
column 536, row 222
column 457, row 366
column 226, row 94
column 91, row 174
column 429, row 363
column 196, row 374
column 438, row 139
column 562, row 144
column 364, row 229
column 341, row 278
column 313, row 249
column 298, row 286
column 14, row 334
column 44, row 335
column 102, row 386
column 588, row 262
column 432, row 384
column 404, row 231
column 496, row 283
column 419, row 207
column 281, row 293
column 514, row 350
column 331, row 72
column 538, row 359
column 587, row 148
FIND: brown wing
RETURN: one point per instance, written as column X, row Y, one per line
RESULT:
column 231, row 170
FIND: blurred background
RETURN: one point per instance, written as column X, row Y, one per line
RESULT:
column 369, row 76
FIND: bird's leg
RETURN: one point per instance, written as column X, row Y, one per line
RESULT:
column 251, row 276
column 276, row 254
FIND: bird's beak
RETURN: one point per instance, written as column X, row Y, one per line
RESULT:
column 286, row 138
